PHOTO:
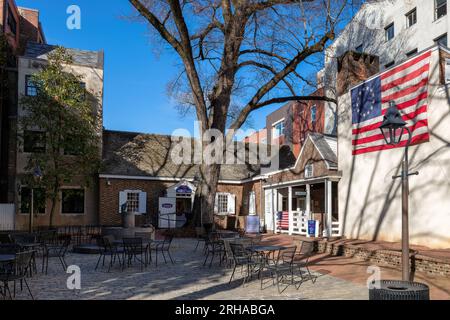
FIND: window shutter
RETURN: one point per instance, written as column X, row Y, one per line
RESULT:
column 122, row 200
column 251, row 205
column 231, row 203
column 142, row 202
column 216, row 204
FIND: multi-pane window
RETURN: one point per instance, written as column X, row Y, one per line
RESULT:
column 222, row 203
column 440, row 8
column 411, row 18
column 309, row 170
column 12, row 23
column 34, row 142
column 389, row 32
column 278, row 129
column 38, row 200
column 442, row 40
column 133, row 202
column 30, row 86
column 314, row 114
column 72, row 201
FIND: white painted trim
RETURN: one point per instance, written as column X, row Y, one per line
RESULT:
column 302, row 182
column 169, row 179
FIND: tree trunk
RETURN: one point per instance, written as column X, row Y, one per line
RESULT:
column 53, row 199
column 210, row 180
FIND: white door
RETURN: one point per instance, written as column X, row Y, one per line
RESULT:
column 167, row 213
column 268, row 212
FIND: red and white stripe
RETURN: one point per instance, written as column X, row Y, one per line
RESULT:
column 407, row 86
column 283, row 224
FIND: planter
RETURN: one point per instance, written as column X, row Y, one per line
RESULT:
column 400, row 290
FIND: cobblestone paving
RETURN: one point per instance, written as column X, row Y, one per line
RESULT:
column 187, row 279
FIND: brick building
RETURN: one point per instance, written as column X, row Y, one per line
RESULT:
column 17, row 27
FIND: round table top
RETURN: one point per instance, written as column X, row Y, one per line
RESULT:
column 266, row 248
column 7, row 257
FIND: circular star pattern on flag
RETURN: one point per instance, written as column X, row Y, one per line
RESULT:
column 365, row 95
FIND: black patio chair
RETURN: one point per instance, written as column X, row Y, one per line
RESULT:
column 162, row 247
column 214, row 248
column 244, row 259
column 56, row 251
column 201, row 237
column 301, row 260
column 133, row 249
column 107, row 248
column 282, row 268
column 14, row 271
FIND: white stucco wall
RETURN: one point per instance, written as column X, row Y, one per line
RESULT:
column 370, row 201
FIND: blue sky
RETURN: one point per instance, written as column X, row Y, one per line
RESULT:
column 135, row 97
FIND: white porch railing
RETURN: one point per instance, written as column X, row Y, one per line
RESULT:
column 299, row 223
column 7, row 212
column 335, row 228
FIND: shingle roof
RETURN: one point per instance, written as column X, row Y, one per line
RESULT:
column 149, row 155
column 86, row 58
column 327, row 147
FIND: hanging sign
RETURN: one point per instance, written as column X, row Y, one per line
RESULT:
column 183, row 189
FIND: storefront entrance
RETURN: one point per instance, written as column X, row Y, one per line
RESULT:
column 176, row 207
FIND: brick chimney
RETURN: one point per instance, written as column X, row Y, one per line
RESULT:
column 29, row 26
column 353, row 68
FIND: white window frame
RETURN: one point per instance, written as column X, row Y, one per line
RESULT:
column 142, row 200
column 309, row 170
column 275, row 133
column 436, row 8
column 386, row 38
column 408, row 15
column 219, row 206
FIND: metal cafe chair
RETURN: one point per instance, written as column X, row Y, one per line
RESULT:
column 133, row 249
column 56, row 251
column 282, row 268
column 14, row 271
column 302, row 259
column 242, row 258
column 107, row 248
column 162, row 247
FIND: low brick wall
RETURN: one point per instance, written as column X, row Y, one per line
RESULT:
column 391, row 258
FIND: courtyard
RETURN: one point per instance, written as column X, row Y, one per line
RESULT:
column 186, row 279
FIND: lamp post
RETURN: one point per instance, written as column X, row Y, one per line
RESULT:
column 37, row 177
column 393, row 128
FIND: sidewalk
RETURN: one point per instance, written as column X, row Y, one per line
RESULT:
column 355, row 270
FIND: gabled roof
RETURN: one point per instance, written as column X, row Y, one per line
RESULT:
column 326, row 146
column 149, row 155
column 86, row 58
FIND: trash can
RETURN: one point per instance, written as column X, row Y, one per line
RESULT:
column 400, row 290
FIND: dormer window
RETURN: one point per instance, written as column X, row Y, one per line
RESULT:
column 309, row 170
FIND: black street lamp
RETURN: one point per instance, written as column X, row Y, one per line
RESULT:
column 393, row 128
column 37, row 177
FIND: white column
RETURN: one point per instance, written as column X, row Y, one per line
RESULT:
column 308, row 206
column 290, row 210
column 329, row 196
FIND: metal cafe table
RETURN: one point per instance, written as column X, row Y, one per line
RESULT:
column 265, row 251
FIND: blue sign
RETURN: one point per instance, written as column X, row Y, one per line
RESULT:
column 167, row 205
column 183, row 189
column 312, row 227
column 252, row 225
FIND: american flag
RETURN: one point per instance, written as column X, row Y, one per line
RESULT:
column 406, row 85
column 283, row 220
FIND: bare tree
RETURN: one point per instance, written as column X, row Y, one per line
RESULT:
column 240, row 52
